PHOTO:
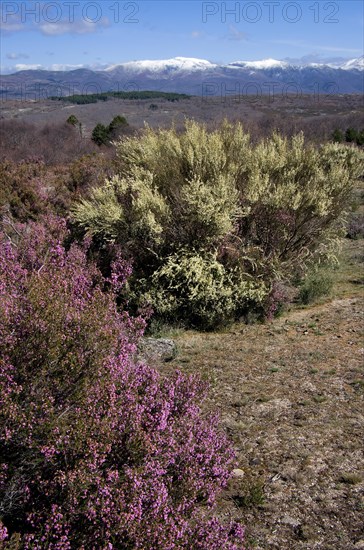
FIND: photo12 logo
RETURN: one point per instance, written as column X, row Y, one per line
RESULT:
column 254, row 12
column 54, row 12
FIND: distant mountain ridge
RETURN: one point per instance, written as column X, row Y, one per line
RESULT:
column 193, row 64
column 191, row 76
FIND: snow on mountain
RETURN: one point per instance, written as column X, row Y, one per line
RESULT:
column 263, row 64
column 191, row 64
column 350, row 65
column 176, row 64
column 354, row 64
column 179, row 66
column 197, row 76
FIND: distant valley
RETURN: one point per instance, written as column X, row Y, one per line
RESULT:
column 192, row 76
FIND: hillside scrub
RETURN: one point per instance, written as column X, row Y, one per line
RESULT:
column 54, row 143
column 213, row 222
column 30, row 188
column 97, row 450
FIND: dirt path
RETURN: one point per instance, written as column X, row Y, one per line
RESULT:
column 291, row 397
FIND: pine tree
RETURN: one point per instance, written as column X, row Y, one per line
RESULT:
column 337, row 136
column 100, row 134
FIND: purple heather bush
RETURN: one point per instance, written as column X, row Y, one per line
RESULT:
column 280, row 296
column 355, row 228
column 97, row 450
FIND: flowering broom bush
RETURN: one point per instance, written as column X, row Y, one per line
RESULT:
column 200, row 288
column 97, row 451
column 254, row 212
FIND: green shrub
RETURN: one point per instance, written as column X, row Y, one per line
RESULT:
column 360, row 138
column 100, row 134
column 338, row 136
column 117, row 121
column 351, row 135
column 198, row 289
column 125, row 209
column 196, row 207
column 315, row 286
column 73, row 120
column 103, row 135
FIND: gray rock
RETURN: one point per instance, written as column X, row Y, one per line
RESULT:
column 157, row 349
column 237, row 472
column 288, row 520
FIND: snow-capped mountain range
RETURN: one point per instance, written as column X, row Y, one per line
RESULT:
column 183, row 64
column 162, row 65
column 194, row 76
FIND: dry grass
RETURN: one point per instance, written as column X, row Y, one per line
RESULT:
column 290, row 396
column 316, row 116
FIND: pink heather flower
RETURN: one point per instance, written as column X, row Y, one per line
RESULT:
column 3, row 532
column 99, row 451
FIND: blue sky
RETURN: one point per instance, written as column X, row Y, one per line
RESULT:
column 62, row 34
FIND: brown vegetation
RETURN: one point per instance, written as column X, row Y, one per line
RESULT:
column 317, row 116
column 54, row 143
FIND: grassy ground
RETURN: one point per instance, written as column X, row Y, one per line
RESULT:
column 291, row 397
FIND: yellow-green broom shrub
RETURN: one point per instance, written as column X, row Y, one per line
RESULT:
column 193, row 208
column 195, row 286
column 125, row 208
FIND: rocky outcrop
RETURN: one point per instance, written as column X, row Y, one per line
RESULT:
column 157, row 349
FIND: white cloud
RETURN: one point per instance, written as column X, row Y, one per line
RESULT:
column 10, row 23
column 314, row 57
column 338, row 49
column 68, row 67
column 8, row 28
column 53, row 67
column 235, row 34
column 26, row 67
column 307, row 45
column 19, row 55
column 77, row 27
